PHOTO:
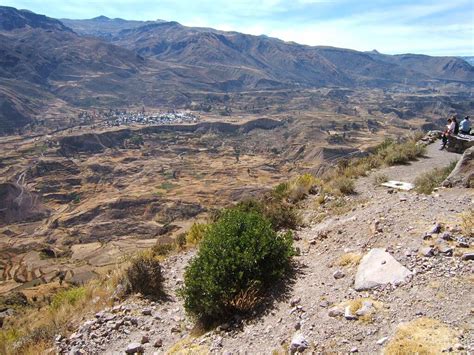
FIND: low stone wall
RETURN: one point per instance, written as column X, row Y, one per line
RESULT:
column 459, row 143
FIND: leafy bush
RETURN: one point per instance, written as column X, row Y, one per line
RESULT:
column 428, row 181
column 239, row 253
column 196, row 232
column 144, row 275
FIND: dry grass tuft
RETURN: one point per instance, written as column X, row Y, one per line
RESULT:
column 421, row 336
column 186, row 346
column 349, row 259
column 467, row 223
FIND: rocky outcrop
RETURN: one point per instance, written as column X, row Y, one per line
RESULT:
column 463, row 173
column 379, row 268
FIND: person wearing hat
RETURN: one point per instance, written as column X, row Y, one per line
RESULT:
column 465, row 126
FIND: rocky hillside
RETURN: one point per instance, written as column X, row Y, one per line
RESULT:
column 387, row 271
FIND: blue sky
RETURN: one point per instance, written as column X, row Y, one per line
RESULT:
column 436, row 27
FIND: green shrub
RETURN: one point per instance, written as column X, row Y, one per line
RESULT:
column 282, row 215
column 163, row 249
column 70, row 296
column 196, row 232
column 343, row 185
column 239, row 254
column 144, row 275
column 180, row 241
column 428, row 181
column 281, row 190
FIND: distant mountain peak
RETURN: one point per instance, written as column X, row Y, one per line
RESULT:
column 101, row 18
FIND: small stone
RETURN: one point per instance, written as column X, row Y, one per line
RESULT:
column 427, row 252
column 427, row 236
column 338, row 274
column 447, row 236
column 146, row 311
column 458, row 347
column 145, row 339
column 445, row 250
column 298, row 343
column 436, row 229
column 354, row 350
column 158, row 343
column 134, row 348
column 295, row 301
column 462, row 243
column 348, row 314
column 468, row 256
column 335, row 312
column 382, row 341
column 298, row 326
column 366, row 308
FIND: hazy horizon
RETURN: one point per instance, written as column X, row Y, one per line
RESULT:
column 393, row 27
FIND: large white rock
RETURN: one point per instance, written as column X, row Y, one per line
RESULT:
column 377, row 268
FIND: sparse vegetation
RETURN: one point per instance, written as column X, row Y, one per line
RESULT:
column 349, row 259
column 380, row 179
column 239, row 257
column 427, row 182
column 281, row 214
column 144, row 275
column 421, row 336
column 163, row 249
column 68, row 297
column 33, row 328
column 196, row 233
column 467, row 223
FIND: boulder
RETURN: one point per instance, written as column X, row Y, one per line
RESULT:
column 378, row 268
column 463, row 173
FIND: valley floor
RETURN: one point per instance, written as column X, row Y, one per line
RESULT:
column 441, row 287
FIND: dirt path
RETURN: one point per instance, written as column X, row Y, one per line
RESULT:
column 434, row 158
column 441, row 287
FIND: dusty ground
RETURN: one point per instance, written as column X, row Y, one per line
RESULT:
column 440, row 289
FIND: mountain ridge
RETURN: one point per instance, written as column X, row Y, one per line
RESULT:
column 158, row 62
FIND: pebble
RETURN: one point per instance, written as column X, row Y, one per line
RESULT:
column 348, row 314
column 298, row 343
column 158, row 343
column 134, row 348
column 382, row 341
column 338, row 274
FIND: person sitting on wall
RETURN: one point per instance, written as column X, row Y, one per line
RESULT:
column 449, row 131
column 456, row 126
column 465, row 126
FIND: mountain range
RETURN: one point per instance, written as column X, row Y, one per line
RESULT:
column 49, row 65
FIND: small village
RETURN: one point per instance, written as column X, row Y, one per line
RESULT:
column 129, row 118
